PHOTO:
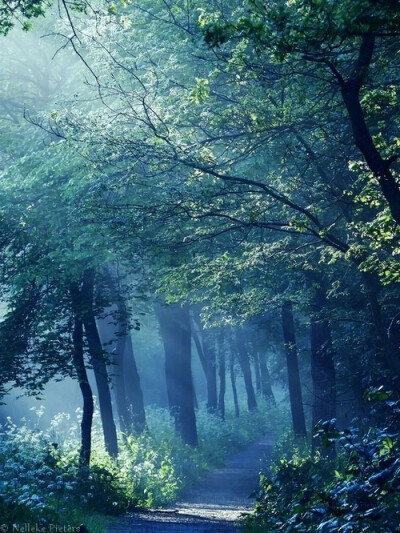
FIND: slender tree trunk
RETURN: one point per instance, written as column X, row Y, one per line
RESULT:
column 129, row 394
column 98, row 363
column 86, row 391
column 211, row 359
column 232, row 373
column 295, row 394
column 246, row 370
column 266, row 388
column 200, row 353
column 221, row 374
column 322, row 365
column 195, row 402
column 233, row 382
column 114, row 345
column 207, row 354
column 116, row 339
column 118, row 380
column 134, row 394
column 176, row 334
column 257, row 371
column 199, row 349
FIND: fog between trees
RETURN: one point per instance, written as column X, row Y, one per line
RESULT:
column 199, row 210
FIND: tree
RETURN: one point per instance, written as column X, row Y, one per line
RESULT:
column 322, row 363
column 86, row 313
column 81, row 373
column 221, row 372
column 342, row 43
column 244, row 361
column 176, row 334
column 249, row 162
column 115, row 332
column 206, row 349
column 48, row 254
column 295, row 393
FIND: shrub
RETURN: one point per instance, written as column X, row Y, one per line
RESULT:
column 33, row 483
column 41, row 481
column 356, row 491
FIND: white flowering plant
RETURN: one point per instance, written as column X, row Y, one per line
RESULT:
column 41, row 479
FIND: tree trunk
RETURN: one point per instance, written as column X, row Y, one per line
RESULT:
column 257, row 371
column 175, row 330
column 322, row 366
column 87, row 396
column 266, row 388
column 129, row 394
column 233, row 382
column 390, row 354
column 99, row 364
column 207, row 354
column 116, row 340
column 114, row 345
column 246, row 370
column 295, row 394
column 134, row 394
column 211, row 360
column 221, row 374
column 199, row 349
column 362, row 136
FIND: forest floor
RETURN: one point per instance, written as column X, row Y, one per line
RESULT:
column 215, row 505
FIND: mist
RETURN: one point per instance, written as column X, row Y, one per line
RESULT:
column 199, row 215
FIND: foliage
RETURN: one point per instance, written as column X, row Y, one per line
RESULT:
column 261, row 161
column 357, row 491
column 33, row 480
column 41, row 479
column 230, row 435
column 11, row 12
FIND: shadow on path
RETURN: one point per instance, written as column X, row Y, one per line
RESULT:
column 215, row 505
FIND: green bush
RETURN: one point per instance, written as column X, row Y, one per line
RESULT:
column 41, row 481
column 358, row 490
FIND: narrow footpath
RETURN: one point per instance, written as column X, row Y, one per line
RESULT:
column 212, row 507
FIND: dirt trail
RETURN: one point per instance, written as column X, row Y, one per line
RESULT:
column 212, row 507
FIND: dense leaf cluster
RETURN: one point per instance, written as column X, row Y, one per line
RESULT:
column 20, row 11
column 358, row 490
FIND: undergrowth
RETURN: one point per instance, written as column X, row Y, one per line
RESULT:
column 351, row 485
column 41, row 482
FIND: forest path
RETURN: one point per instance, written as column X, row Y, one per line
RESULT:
column 215, row 505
